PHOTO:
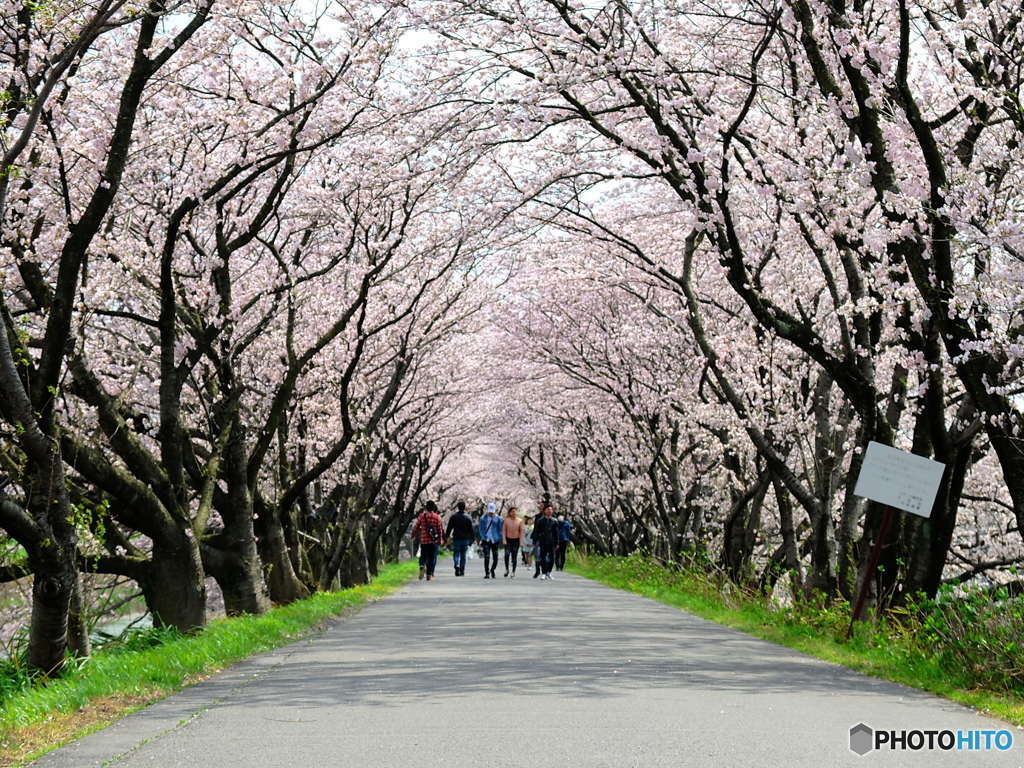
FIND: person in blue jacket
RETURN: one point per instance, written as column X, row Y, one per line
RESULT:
column 564, row 539
column 490, row 539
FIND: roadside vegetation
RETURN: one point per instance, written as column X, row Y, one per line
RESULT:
column 144, row 665
column 966, row 645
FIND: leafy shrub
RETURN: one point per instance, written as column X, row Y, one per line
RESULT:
column 977, row 634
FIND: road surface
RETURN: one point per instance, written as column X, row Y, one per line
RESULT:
column 541, row 674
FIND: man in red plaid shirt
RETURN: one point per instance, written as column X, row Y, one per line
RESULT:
column 428, row 531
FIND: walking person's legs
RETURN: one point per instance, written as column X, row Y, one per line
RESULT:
column 429, row 560
column 511, row 555
column 547, row 559
column 459, row 547
column 490, row 552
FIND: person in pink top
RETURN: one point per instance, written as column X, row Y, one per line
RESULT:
column 512, row 537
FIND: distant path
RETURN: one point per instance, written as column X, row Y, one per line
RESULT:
column 561, row 674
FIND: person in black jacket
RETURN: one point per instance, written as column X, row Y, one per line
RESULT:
column 461, row 534
column 545, row 536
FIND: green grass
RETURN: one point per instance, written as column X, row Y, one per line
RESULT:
column 119, row 680
column 910, row 652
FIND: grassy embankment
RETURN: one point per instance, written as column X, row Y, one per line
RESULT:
column 970, row 650
column 119, row 679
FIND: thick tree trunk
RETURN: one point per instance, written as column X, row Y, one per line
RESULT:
column 175, row 589
column 51, row 598
column 282, row 582
column 926, row 541
column 238, row 569
column 53, row 561
column 240, row 582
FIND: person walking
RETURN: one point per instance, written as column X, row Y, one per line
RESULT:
column 511, row 538
column 461, row 534
column 564, row 539
column 428, row 530
column 490, row 540
column 528, row 541
column 545, row 536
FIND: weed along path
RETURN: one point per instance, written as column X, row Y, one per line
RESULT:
column 540, row 674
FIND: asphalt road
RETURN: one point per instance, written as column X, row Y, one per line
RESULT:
column 533, row 673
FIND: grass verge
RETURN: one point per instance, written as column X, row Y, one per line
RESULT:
column 112, row 684
column 889, row 650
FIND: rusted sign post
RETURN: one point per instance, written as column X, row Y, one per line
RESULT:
column 899, row 480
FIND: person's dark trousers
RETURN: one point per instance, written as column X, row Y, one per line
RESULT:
column 428, row 558
column 546, row 558
column 490, row 550
column 560, row 556
column 511, row 554
column 459, row 549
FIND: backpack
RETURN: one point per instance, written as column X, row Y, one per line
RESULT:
column 433, row 525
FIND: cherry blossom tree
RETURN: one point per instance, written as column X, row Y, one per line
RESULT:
column 46, row 51
column 750, row 133
column 295, row 233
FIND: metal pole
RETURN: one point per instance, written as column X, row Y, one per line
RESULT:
column 876, row 555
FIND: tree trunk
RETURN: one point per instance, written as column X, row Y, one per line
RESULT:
column 740, row 530
column 355, row 569
column 787, row 558
column 282, row 582
column 175, row 590
column 237, row 569
column 239, row 580
column 51, row 597
column 78, row 626
column 345, row 537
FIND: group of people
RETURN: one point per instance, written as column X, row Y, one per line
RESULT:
column 542, row 541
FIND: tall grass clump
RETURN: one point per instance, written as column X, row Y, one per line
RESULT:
column 15, row 678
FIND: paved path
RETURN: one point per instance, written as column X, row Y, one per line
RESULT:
column 540, row 674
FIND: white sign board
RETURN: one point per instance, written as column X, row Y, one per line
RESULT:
column 900, row 479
